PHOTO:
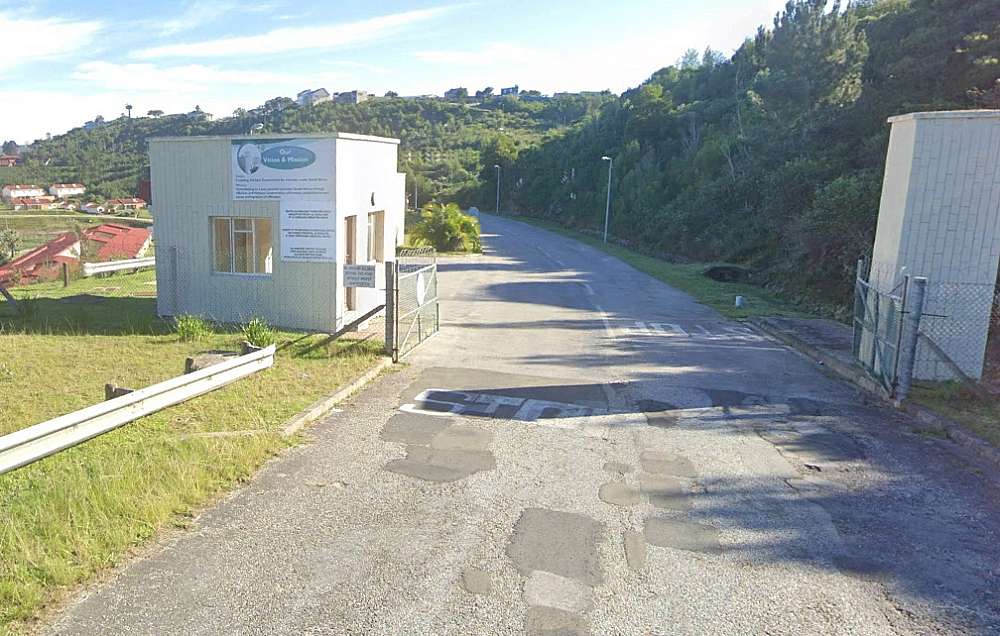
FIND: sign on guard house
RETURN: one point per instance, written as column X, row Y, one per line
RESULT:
column 290, row 228
column 360, row 276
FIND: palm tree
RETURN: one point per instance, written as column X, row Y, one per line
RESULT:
column 128, row 107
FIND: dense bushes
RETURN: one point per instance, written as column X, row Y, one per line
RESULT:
column 446, row 228
column 774, row 157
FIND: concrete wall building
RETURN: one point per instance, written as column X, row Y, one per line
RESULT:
column 939, row 217
column 309, row 97
column 63, row 190
column 352, row 97
column 264, row 225
column 20, row 190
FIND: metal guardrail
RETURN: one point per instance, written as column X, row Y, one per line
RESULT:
column 90, row 269
column 41, row 440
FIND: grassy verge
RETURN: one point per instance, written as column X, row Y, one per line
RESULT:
column 956, row 403
column 688, row 278
column 69, row 516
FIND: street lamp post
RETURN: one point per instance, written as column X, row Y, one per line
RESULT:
column 497, row 166
column 607, row 207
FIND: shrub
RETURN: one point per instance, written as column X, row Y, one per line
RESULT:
column 447, row 229
column 258, row 333
column 190, row 328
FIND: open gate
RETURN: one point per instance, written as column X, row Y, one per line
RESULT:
column 412, row 313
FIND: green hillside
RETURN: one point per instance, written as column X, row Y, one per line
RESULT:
column 442, row 142
column 774, row 157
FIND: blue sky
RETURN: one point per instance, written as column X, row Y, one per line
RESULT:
column 65, row 62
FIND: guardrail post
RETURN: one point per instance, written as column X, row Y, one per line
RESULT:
column 916, row 295
column 390, row 307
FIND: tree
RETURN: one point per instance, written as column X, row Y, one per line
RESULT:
column 690, row 60
column 391, row 94
column 10, row 242
column 155, row 113
column 240, row 113
column 128, row 107
column 10, row 147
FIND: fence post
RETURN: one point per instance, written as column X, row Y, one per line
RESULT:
column 916, row 294
column 390, row 307
column 65, row 274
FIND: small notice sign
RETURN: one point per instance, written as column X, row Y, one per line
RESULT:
column 359, row 275
column 308, row 231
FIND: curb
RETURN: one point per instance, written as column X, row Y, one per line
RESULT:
column 971, row 444
column 325, row 405
column 852, row 374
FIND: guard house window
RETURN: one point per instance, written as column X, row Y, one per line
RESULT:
column 241, row 245
column 376, row 236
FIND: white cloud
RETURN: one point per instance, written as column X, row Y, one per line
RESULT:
column 196, row 14
column 289, row 39
column 201, row 12
column 146, row 77
column 28, row 39
column 486, row 55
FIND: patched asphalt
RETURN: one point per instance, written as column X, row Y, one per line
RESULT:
column 560, row 462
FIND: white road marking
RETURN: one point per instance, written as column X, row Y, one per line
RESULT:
column 607, row 322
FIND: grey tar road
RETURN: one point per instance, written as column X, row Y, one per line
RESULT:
column 583, row 449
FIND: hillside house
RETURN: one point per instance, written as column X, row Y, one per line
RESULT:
column 18, row 190
column 64, row 190
column 92, row 207
column 112, row 242
column 309, row 97
column 510, row 90
column 133, row 203
column 9, row 161
column 46, row 202
column 352, row 97
column 103, row 243
column 42, row 263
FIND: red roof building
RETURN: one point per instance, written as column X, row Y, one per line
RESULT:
column 118, row 241
column 128, row 204
column 42, row 263
column 9, row 161
column 108, row 242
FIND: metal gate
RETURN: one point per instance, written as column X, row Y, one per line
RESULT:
column 877, row 320
column 411, row 300
column 886, row 328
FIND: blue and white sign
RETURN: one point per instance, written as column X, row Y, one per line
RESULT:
column 273, row 169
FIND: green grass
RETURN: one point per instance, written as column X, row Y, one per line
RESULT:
column 949, row 399
column 70, row 516
column 688, row 278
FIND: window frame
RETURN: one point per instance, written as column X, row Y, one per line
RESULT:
column 252, row 232
column 376, row 236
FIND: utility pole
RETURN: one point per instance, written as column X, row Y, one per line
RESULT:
column 497, row 166
column 607, row 207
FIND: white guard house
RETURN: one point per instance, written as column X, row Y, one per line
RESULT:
column 266, row 226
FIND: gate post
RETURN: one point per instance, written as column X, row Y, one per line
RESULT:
column 390, row 309
column 911, row 332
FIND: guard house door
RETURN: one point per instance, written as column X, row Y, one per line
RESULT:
column 351, row 257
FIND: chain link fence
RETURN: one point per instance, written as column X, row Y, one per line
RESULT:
column 88, row 296
column 955, row 332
